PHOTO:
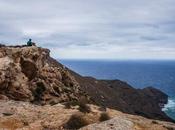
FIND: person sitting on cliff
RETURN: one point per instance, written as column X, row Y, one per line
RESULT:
column 30, row 43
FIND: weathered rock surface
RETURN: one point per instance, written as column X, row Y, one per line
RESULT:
column 113, row 124
column 27, row 75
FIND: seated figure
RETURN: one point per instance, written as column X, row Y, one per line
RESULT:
column 29, row 43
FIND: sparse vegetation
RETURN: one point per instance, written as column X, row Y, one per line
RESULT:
column 71, row 103
column 75, row 122
column 104, row 116
column 169, row 128
column 53, row 102
column 83, row 107
column 67, row 105
column 38, row 93
column 102, row 108
column 154, row 122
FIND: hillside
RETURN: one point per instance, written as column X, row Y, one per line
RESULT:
column 29, row 74
column 121, row 96
column 26, row 116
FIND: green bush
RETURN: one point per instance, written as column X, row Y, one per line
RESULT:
column 75, row 122
column 104, row 116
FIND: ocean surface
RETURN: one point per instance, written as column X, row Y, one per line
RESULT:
column 139, row 74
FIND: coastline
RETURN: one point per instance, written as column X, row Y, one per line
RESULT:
column 169, row 108
column 146, row 75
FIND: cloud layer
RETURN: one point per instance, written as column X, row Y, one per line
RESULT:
column 93, row 29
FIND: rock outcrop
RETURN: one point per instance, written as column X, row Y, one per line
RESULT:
column 26, row 74
column 30, row 74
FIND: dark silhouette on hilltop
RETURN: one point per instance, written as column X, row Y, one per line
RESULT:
column 29, row 43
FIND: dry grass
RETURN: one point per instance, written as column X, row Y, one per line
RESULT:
column 11, row 124
column 84, row 108
column 104, row 116
column 76, row 121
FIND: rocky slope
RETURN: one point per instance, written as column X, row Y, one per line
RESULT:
column 121, row 96
column 18, row 115
column 30, row 74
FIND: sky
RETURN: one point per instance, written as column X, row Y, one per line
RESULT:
column 92, row 29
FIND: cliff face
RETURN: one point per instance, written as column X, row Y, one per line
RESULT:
column 30, row 74
column 27, row 74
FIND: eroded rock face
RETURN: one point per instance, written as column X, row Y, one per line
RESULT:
column 28, row 68
column 27, row 74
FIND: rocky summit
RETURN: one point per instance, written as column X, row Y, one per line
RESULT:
column 28, row 75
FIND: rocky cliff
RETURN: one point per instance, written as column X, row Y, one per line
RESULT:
column 27, row 74
column 30, row 74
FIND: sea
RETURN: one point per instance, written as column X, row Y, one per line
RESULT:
column 137, row 73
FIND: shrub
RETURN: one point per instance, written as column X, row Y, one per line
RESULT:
column 67, row 105
column 84, row 107
column 75, row 122
column 168, row 128
column 104, row 116
column 71, row 103
column 53, row 102
column 74, row 103
column 38, row 93
column 102, row 108
column 154, row 122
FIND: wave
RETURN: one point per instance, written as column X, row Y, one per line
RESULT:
column 169, row 108
column 169, row 105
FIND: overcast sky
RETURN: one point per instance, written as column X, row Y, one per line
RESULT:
column 92, row 29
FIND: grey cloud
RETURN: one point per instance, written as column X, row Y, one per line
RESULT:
column 151, row 38
column 93, row 25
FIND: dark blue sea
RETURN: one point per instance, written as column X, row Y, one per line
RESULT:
column 139, row 74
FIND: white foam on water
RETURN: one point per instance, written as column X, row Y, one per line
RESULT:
column 170, row 105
